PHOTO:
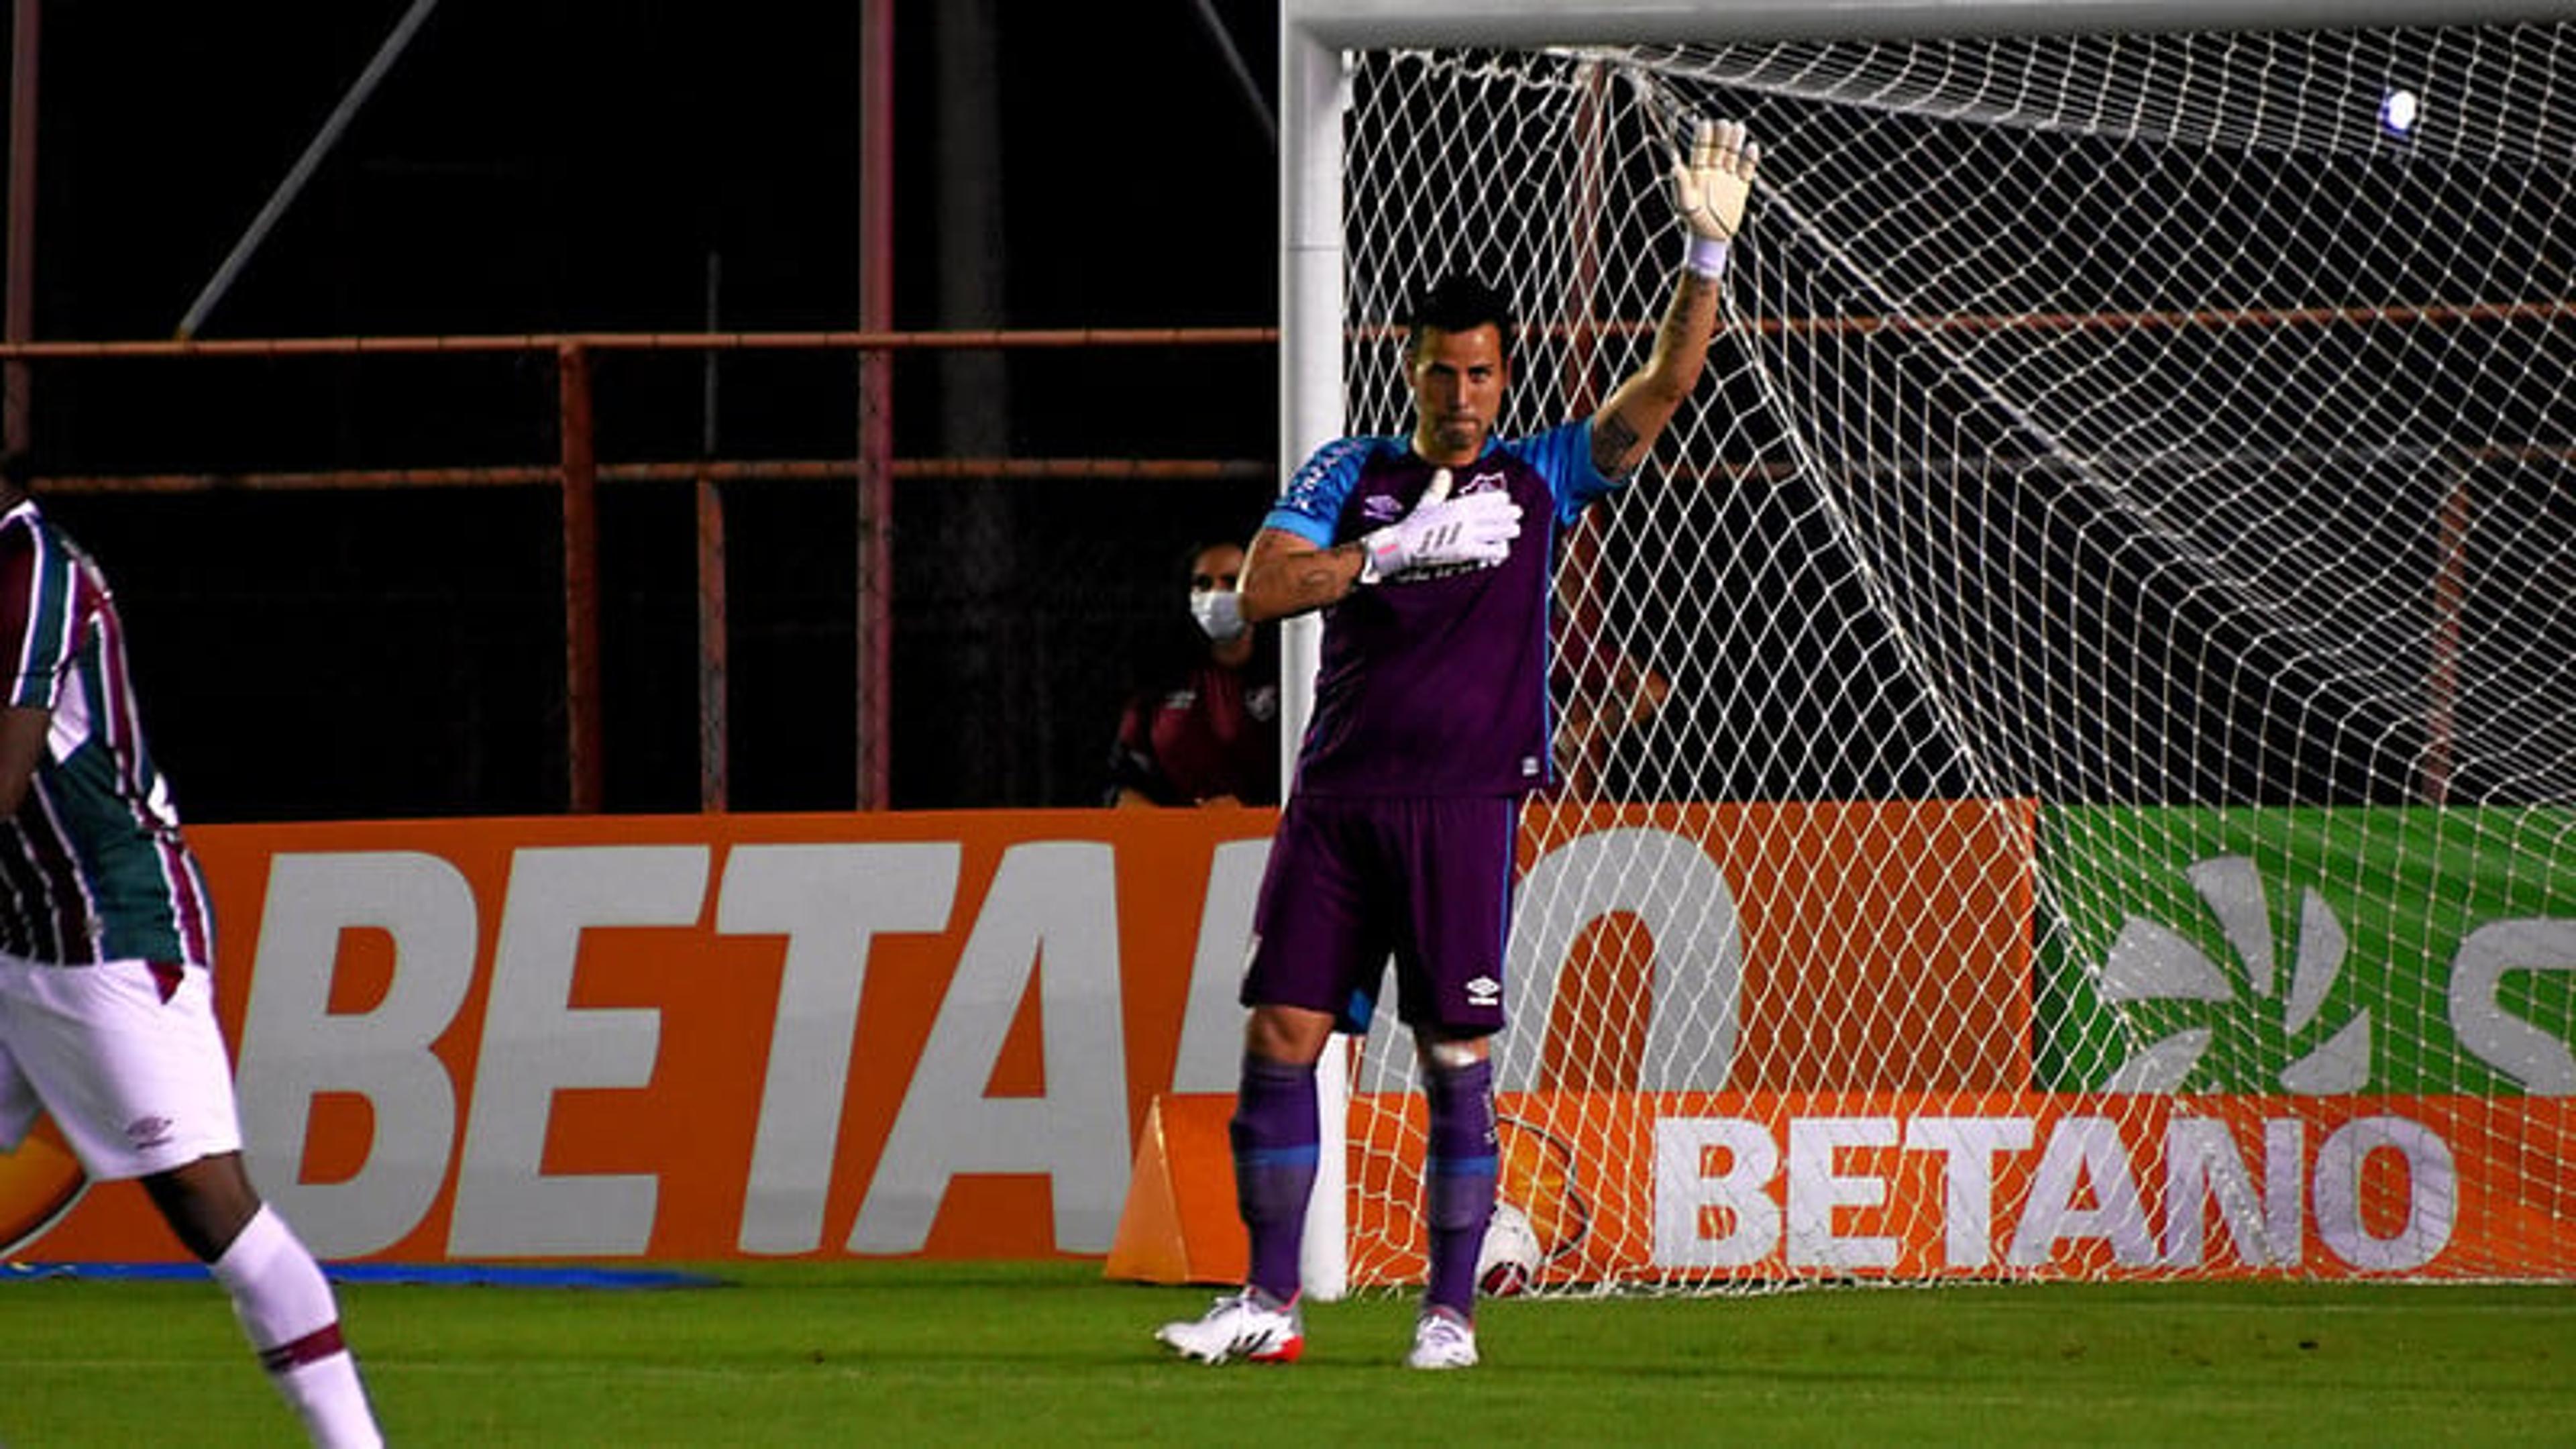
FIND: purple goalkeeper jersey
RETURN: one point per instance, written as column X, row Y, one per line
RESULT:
column 1436, row 685
column 92, row 867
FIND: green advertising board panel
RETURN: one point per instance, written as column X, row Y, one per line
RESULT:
column 2307, row 950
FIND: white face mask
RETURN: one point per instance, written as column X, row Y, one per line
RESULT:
column 1219, row 612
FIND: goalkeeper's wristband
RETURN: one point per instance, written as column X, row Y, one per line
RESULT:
column 1382, row 553
column 1706, row 257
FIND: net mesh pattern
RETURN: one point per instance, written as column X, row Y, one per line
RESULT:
column 2128, row 524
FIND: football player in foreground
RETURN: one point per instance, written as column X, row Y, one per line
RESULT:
column 107, row 1004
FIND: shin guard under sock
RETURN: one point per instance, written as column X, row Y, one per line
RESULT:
column 286, row 1308
column 1458, row 1179
column 1274, row 1133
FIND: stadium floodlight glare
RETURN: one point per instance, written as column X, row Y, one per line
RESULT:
column 2122, row 428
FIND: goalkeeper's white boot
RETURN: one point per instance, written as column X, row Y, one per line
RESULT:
column 1243, row 1325
column 1442, row 1340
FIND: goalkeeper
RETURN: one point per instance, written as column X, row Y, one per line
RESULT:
column 1430, row 555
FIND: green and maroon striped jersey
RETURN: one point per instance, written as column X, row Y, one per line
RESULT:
column 92, row 867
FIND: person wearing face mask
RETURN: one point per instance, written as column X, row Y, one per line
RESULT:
column 1203, row 729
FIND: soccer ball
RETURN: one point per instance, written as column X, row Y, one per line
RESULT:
column 1508, row 1263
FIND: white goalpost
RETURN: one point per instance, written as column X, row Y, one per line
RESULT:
column 2072, row 736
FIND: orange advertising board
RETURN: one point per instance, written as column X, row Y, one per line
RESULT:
column 699, row 1038
column 695, row 1038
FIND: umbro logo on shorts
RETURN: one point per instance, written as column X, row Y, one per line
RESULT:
column 148, row 1131
column 1484, row 991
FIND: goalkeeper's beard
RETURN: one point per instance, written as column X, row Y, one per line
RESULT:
column 1457, row 438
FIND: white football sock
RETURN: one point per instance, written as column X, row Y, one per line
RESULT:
column 285, row 1306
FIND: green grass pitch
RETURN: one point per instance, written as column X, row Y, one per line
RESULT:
column 928, row 1353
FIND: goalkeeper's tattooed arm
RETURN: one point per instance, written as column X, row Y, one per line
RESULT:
column 1284, row 574
column 1626, row 427
column 1614, row 443
column 1710, row 188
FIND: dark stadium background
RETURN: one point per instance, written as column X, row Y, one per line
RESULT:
column 546, row 165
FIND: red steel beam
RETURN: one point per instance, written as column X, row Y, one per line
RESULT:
column 583, row 766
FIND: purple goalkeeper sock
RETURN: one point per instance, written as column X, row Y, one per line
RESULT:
column 1274, row 1134
column 1458, row 1180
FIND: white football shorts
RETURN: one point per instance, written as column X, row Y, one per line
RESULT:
column 138, row 1081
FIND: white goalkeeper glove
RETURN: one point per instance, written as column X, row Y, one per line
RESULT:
column 1441, row 531
column 1709, row 191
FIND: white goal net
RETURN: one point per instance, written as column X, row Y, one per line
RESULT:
column 2074, row 732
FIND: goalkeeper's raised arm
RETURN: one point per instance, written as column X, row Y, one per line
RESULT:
column 1458, row 365
column 1710, row 187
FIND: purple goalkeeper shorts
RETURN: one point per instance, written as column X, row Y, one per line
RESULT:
column 1352, row 881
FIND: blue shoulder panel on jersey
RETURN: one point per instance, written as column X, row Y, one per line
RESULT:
column 1563, row 456
column 1311, row 506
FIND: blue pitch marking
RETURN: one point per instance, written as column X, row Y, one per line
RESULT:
column 469, row 1275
